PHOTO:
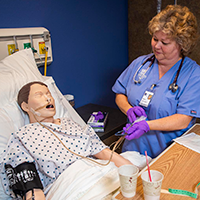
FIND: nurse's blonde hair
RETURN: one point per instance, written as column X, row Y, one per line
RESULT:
column 179, row 24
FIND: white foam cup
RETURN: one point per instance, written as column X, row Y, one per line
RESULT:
column 151, row 189
column 128, row 180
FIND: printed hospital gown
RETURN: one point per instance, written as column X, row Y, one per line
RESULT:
column 34, row 143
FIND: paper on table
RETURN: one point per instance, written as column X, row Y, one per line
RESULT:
column 190, row 141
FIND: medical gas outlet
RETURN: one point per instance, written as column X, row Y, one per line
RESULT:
column 16, row 39
column 42, row 48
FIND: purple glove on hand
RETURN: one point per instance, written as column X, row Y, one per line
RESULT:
column 135, row 112
column 137, row 130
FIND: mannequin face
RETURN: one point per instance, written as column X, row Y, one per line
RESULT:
column 40, row 103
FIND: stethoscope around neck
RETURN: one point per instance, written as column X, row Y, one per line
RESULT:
column 173, row 86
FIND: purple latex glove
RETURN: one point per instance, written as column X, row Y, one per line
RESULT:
column 135, row 112
column 98, row 116
column 137, row 130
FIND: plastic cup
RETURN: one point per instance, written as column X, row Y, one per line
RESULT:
column 128, row 180
column 152, row 189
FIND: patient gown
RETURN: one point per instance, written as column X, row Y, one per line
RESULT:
column 34, row 143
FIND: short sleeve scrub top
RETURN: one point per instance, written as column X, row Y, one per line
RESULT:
column 163, row 103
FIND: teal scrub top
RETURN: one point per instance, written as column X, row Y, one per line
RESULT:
column 186, row 100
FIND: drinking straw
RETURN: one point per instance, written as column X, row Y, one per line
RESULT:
column 148, row 167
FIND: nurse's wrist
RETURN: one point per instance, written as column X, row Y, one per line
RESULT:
column 127, row 108
column 149, row 123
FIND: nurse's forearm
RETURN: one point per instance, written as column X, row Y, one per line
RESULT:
column 122, row 102
column 171, row 123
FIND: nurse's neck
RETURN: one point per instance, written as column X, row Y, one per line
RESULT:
column 165, row 66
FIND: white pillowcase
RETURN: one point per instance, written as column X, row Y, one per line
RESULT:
column 14, row 73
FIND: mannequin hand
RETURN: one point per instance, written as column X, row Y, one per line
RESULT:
column 135, row 112
column 137, row 130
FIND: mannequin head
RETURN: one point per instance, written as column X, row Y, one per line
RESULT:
column 35, row 99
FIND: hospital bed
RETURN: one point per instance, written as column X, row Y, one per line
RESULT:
column 19, row 69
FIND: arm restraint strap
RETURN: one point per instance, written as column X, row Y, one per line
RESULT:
column 22, row 178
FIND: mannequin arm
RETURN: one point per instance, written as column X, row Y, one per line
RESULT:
column 116, row 158
column 38, row 193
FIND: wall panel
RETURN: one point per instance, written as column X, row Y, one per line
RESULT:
column 139, row 14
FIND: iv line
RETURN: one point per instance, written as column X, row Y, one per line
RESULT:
column 119, row 141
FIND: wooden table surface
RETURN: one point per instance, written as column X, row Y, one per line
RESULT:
column 180, row 167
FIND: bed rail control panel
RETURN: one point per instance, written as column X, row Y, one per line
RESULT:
column 38, row 39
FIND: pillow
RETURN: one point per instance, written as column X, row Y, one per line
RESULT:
column 14, row 73
column 63, row 107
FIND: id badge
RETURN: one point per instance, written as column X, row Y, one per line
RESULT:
column 146, row 98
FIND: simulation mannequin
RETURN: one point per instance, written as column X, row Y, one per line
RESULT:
column 38, row 147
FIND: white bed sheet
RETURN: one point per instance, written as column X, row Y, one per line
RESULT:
column 85, row 180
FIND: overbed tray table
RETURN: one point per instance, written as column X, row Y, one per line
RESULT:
column 181, row 169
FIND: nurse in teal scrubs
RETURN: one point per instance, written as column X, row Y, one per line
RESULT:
column 163, row 86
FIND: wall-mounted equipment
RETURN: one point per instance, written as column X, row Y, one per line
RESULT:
column 15, row 39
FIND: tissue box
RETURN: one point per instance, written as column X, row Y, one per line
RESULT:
column 98, row 121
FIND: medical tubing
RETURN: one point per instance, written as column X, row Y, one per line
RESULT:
column 179, row 69
column 42, row 106
column 152, row 59
column 119, row 142
column 45, row 63
column 125, row 133
column 103, row 164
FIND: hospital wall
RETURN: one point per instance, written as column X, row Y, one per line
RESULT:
column 89, row 42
